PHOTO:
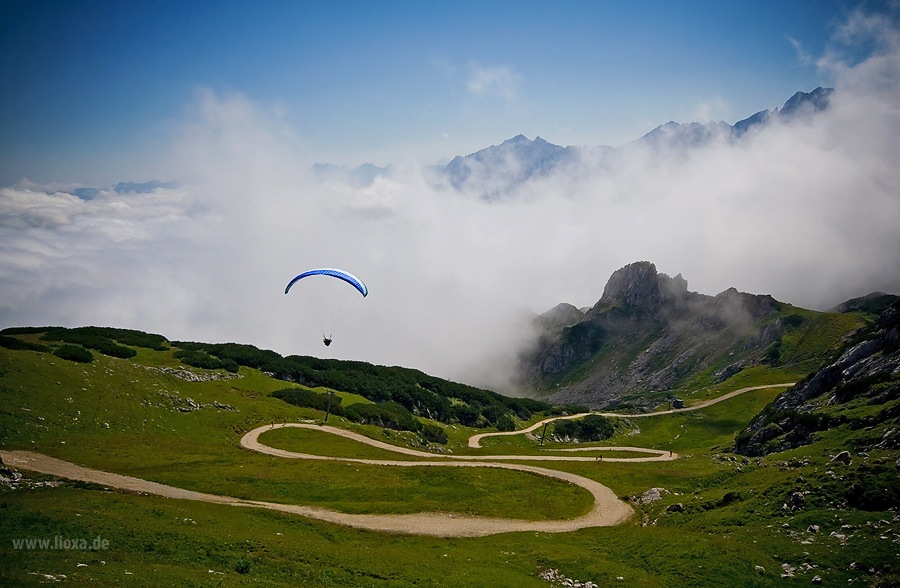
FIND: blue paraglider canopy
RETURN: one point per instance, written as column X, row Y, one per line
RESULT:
column 327, row 301
column 334, row 273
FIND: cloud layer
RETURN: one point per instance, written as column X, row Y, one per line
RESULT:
column 808, row 212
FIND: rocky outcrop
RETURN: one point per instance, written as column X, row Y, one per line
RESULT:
column 646, row 332
column 8, row 477
column 868, row 368
column 561, row 315
column 635, row 285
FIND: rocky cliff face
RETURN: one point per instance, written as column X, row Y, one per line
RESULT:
column 866, row 373
column 648, row 332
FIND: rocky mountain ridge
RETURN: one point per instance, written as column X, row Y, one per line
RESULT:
column 648, row 335
column 495, row 171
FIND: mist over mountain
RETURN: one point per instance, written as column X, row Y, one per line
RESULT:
column 496, row 172
column 802, row 207
column 87, row 193
column 648, row 336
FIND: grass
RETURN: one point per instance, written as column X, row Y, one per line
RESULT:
column 123, row 416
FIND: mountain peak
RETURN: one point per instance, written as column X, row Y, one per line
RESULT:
column 797, row 105
column 636, row 284
column 517, row 139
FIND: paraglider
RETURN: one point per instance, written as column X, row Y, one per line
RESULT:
column 335, row 273
column 327, row 300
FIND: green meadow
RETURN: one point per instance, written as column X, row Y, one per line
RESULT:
column 721, row 519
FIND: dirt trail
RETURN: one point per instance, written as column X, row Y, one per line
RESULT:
column 475, row 440
column 251, row 441
column 608, row 510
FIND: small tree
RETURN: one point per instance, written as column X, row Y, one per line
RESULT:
column 506, row 423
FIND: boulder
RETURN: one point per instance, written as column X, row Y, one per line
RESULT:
column 843, row 457
column 653, row 494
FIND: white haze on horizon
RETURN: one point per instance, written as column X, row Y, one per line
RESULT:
column 808, row 212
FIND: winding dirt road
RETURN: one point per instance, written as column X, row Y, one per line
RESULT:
column 475, row 440
column 608, row 510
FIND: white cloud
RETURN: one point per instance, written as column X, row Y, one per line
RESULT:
column 493, row 81
column 712, row 110
column 808, row 212
column 803, row 56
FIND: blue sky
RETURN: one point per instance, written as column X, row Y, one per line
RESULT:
column 236, row 100
column 94, row 89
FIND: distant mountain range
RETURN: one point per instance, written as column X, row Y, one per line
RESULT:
column 122, row 188
column 495, row 171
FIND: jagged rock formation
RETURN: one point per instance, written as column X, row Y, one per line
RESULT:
column 649, row 333
column 866, row 373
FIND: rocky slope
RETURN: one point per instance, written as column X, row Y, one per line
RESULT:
column 859, row 390
column 648, row 334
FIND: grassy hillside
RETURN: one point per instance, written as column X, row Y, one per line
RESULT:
column 138, row 416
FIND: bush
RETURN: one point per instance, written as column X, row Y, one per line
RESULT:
column 107, row 347
column 200, row 359
column 466, row 414
column 74, row 353
column 18, row 344
column 792, row 321
column 94, row 336
column 565, row 409
column 310, row 399
column 506, row 423
column 389, row 415
column 591, row 428
column 433, row 433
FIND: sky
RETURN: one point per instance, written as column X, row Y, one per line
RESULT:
column 235, row 103
column 94, row 89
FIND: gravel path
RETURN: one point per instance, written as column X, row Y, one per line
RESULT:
column 608, row 510
column 475, row 440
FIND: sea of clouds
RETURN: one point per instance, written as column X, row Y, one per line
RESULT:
column 807, row 211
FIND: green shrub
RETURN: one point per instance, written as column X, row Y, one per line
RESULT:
column 242, row 566
column 792, row 321
column 506, row 423
column 591, row 428
column 466, row 414
column 74, row 353
column 433, row 433
column 94, row 336
column 310, row 399
column 108, row 347
column 389, row 415
column 200, row 359
column 565, row 409
column 18, row 344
